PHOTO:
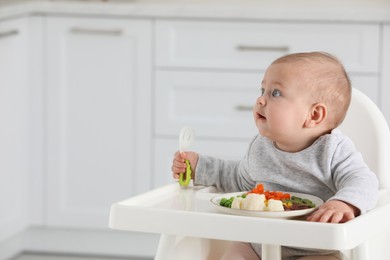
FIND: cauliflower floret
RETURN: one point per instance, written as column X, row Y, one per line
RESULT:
column 253, row 201
column 237, row 201
column 275, row 205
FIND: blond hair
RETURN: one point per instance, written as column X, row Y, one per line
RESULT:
column 329, row 82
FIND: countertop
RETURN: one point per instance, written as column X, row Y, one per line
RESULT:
column 265, row 10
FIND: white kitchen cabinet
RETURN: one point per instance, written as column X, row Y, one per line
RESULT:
column 385, row 84
column 254, row 45
column 98, row 117
column 16, row 130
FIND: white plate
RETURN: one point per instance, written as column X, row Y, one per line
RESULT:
column 266, row 214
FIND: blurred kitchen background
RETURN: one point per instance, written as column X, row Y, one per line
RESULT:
column 93, row 95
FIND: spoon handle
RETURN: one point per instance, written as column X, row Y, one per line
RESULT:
column 185, row 181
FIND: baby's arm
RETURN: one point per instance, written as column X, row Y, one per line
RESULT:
column 179, row 166
column 334, row 211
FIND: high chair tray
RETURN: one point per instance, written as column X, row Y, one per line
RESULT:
column 188, row 212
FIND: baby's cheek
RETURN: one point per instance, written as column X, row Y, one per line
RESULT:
column 280, row 123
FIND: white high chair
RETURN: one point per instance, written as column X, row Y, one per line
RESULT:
column 192, row 229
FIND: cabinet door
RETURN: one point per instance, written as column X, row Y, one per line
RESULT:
column 15, row 128
column 98, row 117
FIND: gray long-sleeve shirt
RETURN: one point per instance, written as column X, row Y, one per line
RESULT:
column 331, row 168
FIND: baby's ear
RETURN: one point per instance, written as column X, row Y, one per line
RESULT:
column 317, row 115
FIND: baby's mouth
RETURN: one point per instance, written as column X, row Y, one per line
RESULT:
column 261, row 116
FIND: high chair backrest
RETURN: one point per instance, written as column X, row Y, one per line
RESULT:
column 368, row 129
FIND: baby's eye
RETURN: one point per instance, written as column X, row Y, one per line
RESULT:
column 276, row 93
column 262, row 91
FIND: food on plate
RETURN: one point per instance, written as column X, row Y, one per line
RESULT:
column 253, row 201
column 275, row 205
column 258, row 199
column 237, row 202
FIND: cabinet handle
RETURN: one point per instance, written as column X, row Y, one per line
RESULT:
column 113, row 32
column 262, row 48
column 243, row 108
column 8, row 33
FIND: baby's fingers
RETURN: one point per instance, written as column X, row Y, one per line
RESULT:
column 320, row 215
column 347, row 216
column 178, row 166
column 330, row 216
column 337, row 217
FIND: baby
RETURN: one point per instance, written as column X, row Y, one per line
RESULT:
column 303, row 98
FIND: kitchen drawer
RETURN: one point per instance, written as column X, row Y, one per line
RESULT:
column 216, row 104
column 165, row 149
column 249, row 45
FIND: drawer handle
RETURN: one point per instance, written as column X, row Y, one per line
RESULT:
column 262, row 48
column 244, row 108
column 8, row 33
column 113, row 32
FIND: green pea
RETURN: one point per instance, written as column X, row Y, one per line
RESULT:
column 223, row 201
column 228, row 204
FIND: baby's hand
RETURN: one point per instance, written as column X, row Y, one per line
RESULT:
column 334, row 211
column 179, row 166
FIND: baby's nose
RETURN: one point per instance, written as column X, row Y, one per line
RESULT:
column 261, row 100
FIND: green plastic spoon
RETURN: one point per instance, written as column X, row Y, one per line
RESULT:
column 185, row 177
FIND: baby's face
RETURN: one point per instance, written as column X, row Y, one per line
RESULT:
column 284, row 105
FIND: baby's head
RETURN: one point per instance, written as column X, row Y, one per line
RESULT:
column 303, row 96
column 325, row 79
